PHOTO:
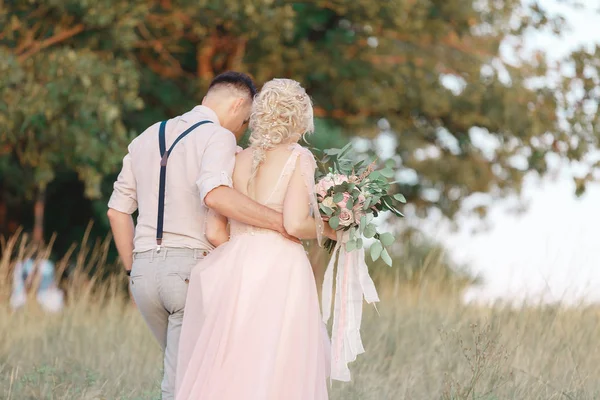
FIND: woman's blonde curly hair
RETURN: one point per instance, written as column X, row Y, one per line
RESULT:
column 281, row 113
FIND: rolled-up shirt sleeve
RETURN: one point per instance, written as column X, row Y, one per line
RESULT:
column 217, row 162
column 124, row 195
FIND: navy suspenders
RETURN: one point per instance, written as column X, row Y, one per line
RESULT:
column 164, row 154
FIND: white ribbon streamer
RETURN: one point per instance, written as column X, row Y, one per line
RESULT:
column 353, row 283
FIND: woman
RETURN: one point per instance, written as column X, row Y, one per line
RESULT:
column 252, row 326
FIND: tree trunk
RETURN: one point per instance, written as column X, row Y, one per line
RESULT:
column 204, row 54
column 38, row 213
column 3, row 221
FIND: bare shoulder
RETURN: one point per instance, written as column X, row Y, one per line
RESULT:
column 243, row 157
column 304, row 151
column 306, row 154
column 288, row 150
column 246, row 153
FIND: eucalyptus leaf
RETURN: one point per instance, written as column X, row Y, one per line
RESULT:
column 386, row 201
column 339, row 196
column 351, row 245
column 385, row 256
column 359, row 243
column 328, row 211
column 352, row 233
column 374, row 200
column 375, row 175
column 387, row 239
column 345, row 149
column 358, row 165
column 396, row 212
column 392, row 209
column 334, row 222
column 376, row 250
column 363, row 223
column 400, row 197
column 350, row 203
column 370, row 231
column 387, row 172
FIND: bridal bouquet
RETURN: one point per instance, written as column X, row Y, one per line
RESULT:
column 350, row 196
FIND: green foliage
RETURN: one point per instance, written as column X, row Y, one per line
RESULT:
column 62, row 106
column 75, row 75
column 363, row 61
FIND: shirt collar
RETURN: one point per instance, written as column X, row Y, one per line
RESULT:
column 206, row 113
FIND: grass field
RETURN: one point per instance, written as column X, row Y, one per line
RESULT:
column 415, row 350
column 423, row 346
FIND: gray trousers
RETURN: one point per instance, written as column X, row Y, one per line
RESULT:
column 159, row 283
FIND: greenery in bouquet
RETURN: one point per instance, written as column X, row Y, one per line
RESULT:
column 351, row 194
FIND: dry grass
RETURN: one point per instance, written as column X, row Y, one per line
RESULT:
column 422, row 346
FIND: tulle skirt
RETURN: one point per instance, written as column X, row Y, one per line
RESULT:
column 252, row 328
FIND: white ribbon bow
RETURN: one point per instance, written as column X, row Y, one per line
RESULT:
column 352, row 283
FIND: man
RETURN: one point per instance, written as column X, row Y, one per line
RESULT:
column 194, row 174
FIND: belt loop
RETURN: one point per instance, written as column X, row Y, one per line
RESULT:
column 152, row 255
column 164, row 255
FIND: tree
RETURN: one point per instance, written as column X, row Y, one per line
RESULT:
column 67, row 80
column 429, row 72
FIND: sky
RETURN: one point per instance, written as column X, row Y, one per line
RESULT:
column 552, row 251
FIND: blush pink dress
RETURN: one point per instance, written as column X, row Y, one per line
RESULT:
column 252, row 328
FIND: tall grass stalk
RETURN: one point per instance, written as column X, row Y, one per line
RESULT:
column 425, row 345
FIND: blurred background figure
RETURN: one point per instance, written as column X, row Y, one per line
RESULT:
column 36, row 276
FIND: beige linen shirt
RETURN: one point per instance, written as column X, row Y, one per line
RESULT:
column 200, row 162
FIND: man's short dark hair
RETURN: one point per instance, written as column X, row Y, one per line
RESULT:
column 236, row 80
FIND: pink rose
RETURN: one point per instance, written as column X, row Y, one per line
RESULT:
column 339, row 179
column 327, row 182
column 321, row 188
column 346, row 217
column 342, row 203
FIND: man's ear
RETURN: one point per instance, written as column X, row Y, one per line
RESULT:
column 239, row 103
column 203, row 100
